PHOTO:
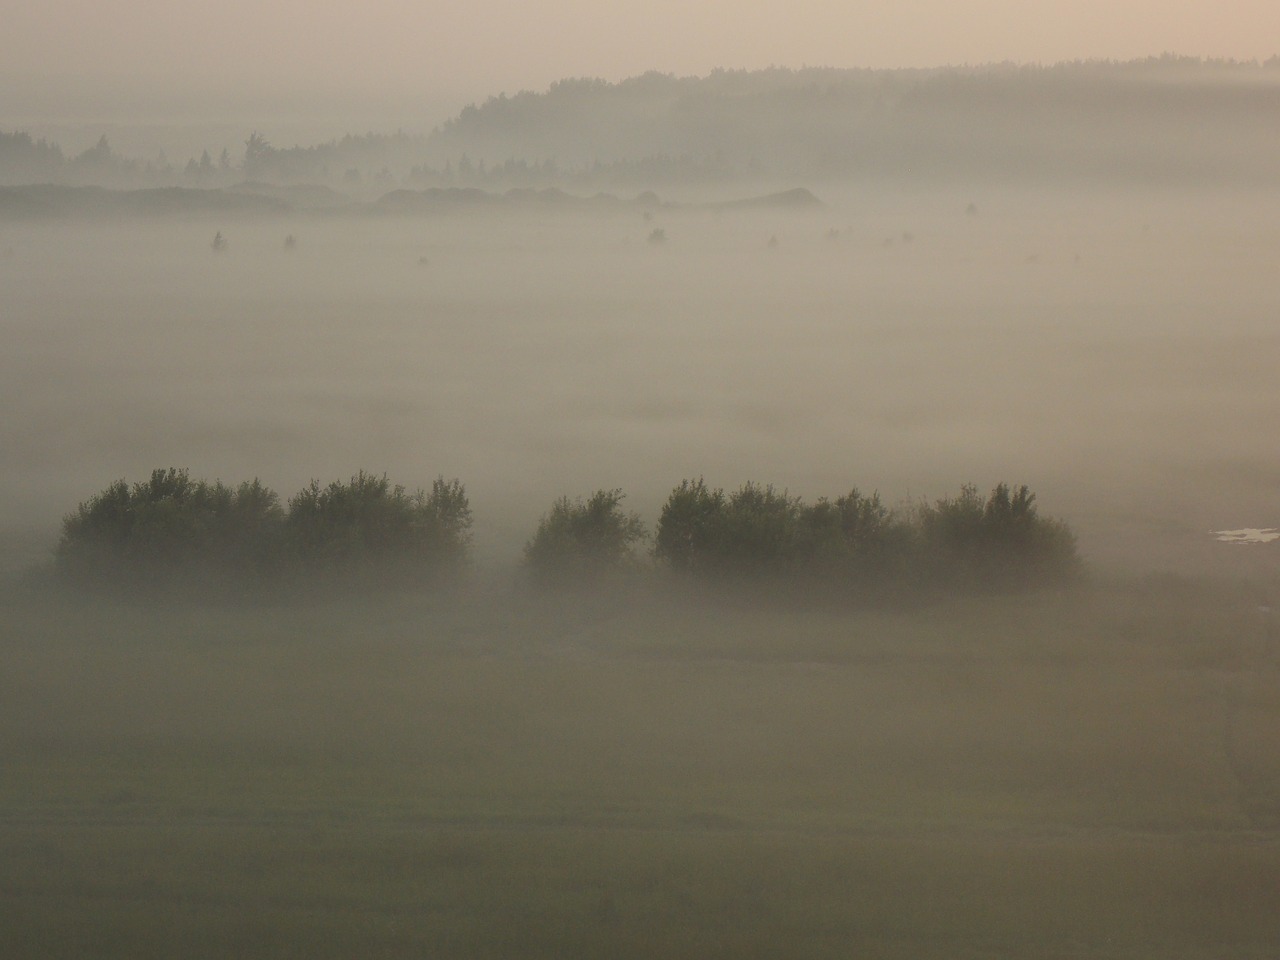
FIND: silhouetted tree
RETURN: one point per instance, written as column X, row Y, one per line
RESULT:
column 579, row 539
column 368, row 531
column 173, row 531
column 257, row 153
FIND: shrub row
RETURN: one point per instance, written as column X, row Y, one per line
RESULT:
column 854, row 543
column 175, row 531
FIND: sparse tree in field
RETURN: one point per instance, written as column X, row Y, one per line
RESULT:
column 219, row 243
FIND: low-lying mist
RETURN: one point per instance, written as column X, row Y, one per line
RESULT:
column 697, row 757
column 1116, row 352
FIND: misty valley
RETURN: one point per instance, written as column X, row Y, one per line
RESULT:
column 882, row 567
column 888, row 340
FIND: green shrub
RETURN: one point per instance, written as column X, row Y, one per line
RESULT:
column 584, row 539
column 172, row 530
column 856, row 543
column 368, row 529
column 760, row 531
column 856, row 540
column 997, row 542
column 692, row 528
column 755, row 530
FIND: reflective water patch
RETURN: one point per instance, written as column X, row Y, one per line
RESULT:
column 1248, row 535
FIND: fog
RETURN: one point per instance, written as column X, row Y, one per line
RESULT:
column 250, row 736
column 1113, row 349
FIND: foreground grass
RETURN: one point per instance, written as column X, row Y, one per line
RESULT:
column 1093, row 773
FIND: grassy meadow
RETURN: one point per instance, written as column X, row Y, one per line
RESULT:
column 1092, row 772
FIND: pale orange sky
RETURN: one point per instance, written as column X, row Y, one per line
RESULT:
column 78, row 55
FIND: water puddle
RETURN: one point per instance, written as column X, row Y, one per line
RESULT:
column 1248, row 535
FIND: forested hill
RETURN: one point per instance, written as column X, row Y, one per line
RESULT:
column 1164, row 119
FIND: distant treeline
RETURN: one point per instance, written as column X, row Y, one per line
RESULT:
column 1166, row 118
column 25, row 160
column 44, row 200
column 173, row 533
column 351, row 160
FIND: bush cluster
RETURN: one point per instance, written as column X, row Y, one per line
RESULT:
column 368, row 528
column 1001, row 540
column 583, row 539
column 852, row 544
column 856, row 542
column 761, row 531
column 176, row 532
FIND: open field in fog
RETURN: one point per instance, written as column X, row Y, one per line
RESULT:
column 1116, row 352
column 1082, row 774
column 490, row 772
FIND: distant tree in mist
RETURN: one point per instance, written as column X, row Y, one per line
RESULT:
column 99, row 154
column 1001, row 539
column 173, row 530
column 202, row 169
column 691, row 533
column 26, row 160
column 257, row 154
column 175, row 533
column 584, row 539
column 856, row 543
column 100, row 164
column 369, row 530
column 762, row 531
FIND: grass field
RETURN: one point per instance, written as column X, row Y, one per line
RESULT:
column 1087, row 773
